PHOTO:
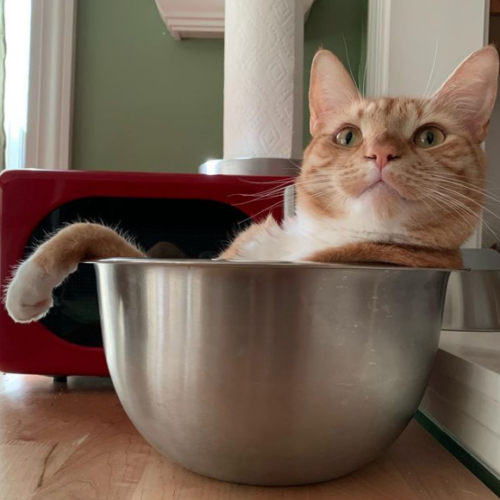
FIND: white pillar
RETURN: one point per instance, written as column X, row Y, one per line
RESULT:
column 263, row 64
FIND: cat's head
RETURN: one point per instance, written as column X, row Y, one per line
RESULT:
column 412, row 168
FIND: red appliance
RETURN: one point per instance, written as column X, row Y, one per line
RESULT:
column 198, row 213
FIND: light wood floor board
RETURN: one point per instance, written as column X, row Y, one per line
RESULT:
column 76, row 443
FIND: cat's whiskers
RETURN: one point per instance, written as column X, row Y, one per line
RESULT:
column 276, row 181
column 320, row 190
column 269, row 209
column 456, row 204
column 334, row 199
column 449, row 183
column 465, row 185
column 276, row 191
column 281, row 184
column 494, row 230
column 441, row 182
column 432, row 212
column 457, row 177
column 294, row 164
column 273, row 192
column 348, row 61
column 432, row 69
column 364, row 78
column 461, row 208
column 453, row 208
column 470, row 200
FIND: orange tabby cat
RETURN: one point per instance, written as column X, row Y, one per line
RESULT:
column 389, row 180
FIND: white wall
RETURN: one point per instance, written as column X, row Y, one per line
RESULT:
column 444, row 30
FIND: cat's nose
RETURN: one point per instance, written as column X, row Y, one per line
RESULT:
column 382, row 155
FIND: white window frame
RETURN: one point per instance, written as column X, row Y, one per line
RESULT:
column 50, row 99
column 17, row 26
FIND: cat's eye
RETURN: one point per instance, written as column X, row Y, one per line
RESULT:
column 348, row 137
column 428, row 137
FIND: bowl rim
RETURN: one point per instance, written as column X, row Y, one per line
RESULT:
column 188, row 263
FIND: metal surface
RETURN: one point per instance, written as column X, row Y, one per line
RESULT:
column 269, row 374
column 252, row 166
column 473, row 298
column 289, row 202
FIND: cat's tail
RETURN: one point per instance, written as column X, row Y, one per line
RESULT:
column 28, row 296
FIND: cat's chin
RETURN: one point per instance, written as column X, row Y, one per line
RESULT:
column 381, row 191
column 382, row 200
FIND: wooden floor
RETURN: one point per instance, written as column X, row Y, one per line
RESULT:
column 75, row 442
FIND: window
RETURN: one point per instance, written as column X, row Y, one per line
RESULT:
column 17, row 36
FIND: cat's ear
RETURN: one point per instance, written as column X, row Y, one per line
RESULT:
column 331, row 88
column 472, row 89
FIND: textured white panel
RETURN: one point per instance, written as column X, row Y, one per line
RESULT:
column 263, row 78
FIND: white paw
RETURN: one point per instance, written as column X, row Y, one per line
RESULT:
column 29, row 295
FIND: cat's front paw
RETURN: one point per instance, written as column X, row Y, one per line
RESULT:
column 29, row 294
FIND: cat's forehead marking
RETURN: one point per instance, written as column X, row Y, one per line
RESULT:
column 389, row 114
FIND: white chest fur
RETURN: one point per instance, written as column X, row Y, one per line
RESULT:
column 304, row 234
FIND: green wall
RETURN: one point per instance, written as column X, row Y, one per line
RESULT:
column 144, row 102
column 339, row 26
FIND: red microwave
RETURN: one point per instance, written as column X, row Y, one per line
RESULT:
column 197, row 213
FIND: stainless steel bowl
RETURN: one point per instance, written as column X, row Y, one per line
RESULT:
column 252, row 166
column 269, row 374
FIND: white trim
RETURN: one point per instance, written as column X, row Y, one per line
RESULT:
column 50, row 101
column 378, row 39
column 198, row 18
